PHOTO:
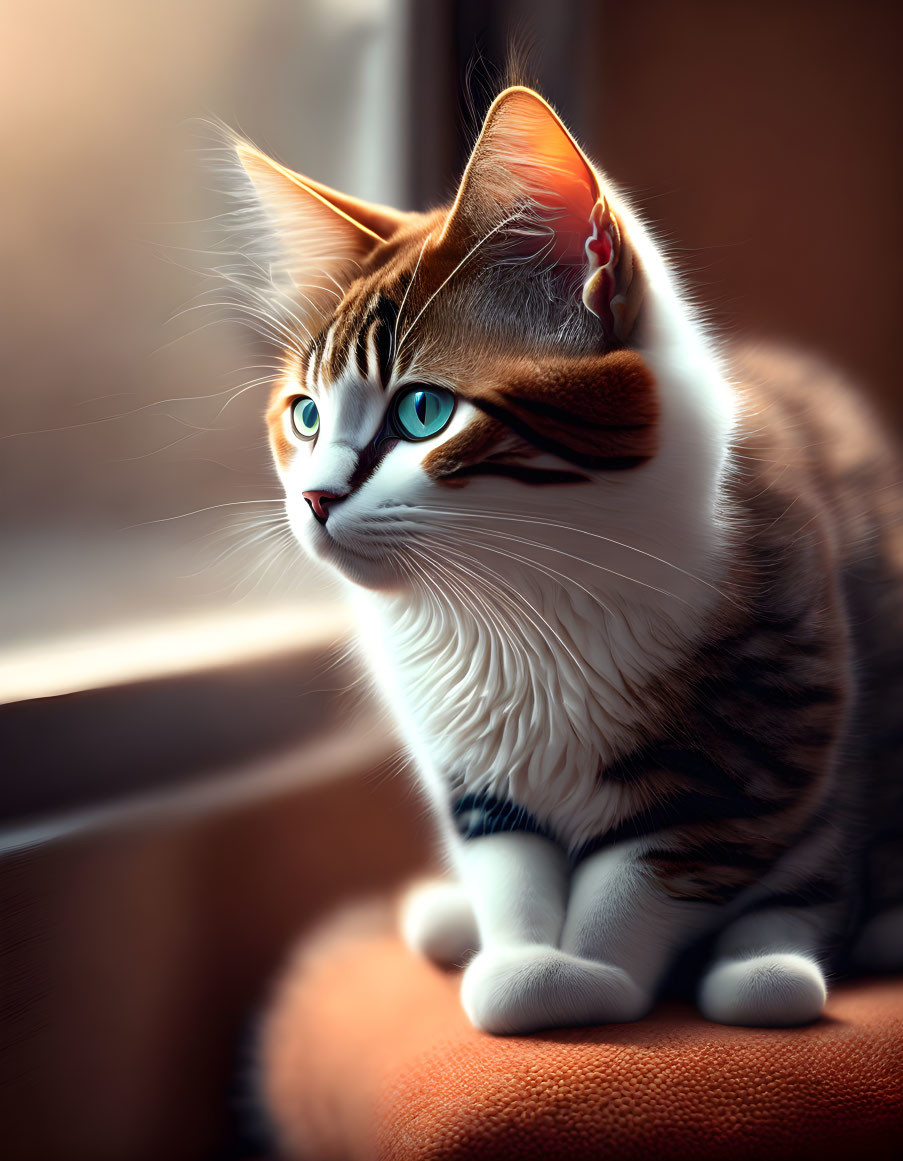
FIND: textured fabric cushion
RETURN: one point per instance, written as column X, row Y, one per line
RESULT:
column 367, row 1054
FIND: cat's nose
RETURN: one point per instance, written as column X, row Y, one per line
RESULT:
column 317, row 502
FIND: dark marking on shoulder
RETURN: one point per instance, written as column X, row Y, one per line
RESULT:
column 476, row 815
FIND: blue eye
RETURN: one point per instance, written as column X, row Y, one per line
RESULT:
column 305, row 418
column 423, row 412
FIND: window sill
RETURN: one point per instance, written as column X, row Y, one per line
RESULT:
column 193, row 711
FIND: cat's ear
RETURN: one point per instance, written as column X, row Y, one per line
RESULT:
column 380, row 220
column 322, row 237
column 529, row 185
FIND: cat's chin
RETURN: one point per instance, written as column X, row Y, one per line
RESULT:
column 380, row 574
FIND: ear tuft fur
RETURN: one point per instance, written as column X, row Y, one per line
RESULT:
column 296, row 245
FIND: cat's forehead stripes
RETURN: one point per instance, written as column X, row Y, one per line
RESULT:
column 363, row 336
column 375, row 345
column 359, row 342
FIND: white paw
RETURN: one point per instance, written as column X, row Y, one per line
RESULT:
column 880, row 945
column 523, row 989
column 778, row 990
column 437, row 921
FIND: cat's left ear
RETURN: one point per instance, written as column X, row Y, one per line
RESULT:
column 309, row 239
column 530, row 185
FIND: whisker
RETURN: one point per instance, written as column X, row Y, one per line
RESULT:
column 405, row 297
column 198, row 512
column 277, row 549
column 285, row 543
column 523, row 518
column 501, row 625
column 241, row 545
column 527, row 604
column 495, row 229
column 546, row 570
column 480, row 604
column 573, row 556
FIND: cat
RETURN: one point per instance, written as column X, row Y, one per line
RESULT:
column 634, row 596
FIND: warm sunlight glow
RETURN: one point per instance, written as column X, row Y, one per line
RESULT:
column 163, row 648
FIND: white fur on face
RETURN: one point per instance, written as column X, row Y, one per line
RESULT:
column 368, row 535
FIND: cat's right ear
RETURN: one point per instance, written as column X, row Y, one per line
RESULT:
column 529, row 189
column 310, row 239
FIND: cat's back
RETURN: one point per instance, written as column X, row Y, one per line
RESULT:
column 811, row 460
column 804, row 425
column 819, row 477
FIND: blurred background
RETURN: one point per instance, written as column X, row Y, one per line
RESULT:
column 153, row 645
column 762, row 139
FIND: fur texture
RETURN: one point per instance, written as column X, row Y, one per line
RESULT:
column 636, row 608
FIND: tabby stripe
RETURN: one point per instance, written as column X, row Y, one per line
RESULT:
column 719, row 869
column 318, row 352
column 361, row 347
column 481, row 814
column 762, row 625
column 672, row 814
column 546, row 410
column 790, row 697
column 378, row 327
column 518, row 472
column 705, row 886
column 384, row 337
column 766, row 757
column 330, row 350
column 723, row 853
column 597, row 463
column 692, row 764
column 782, row 626
column 819, row 890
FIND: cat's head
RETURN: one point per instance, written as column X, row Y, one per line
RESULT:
column 483, row 358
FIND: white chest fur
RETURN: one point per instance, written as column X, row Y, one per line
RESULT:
column 526, row 701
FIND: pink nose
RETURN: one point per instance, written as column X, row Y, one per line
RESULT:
column 318, row 500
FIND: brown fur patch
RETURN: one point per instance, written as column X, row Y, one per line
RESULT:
column 282, row 447
column 600, row 412
column 469, row 446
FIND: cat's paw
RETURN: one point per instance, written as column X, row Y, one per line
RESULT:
column 516, row 990
column 779, row 990
column 437, row 921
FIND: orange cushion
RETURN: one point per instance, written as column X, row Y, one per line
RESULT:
column 367, row 1055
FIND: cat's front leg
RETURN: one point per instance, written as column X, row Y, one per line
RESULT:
column 619, row 914
column 521, row 980
column 511, row 890
column 765, row 971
